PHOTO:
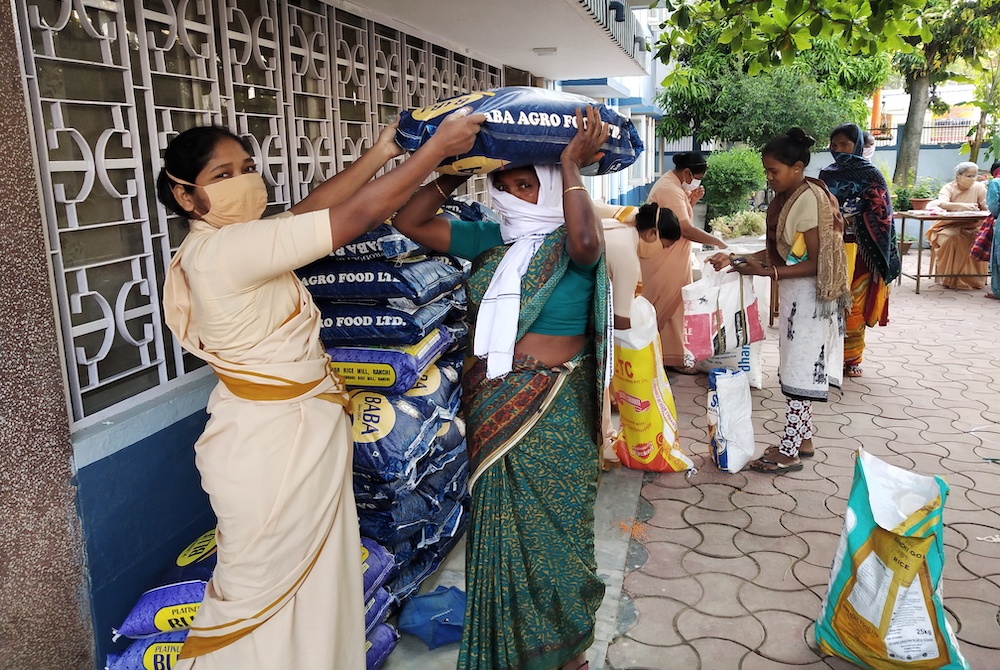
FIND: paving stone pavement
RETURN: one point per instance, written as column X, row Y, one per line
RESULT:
column 727, row 572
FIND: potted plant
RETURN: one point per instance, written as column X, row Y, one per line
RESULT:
column 923, row 191
column 905, row 242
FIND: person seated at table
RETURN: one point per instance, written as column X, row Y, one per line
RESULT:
column 951, row 239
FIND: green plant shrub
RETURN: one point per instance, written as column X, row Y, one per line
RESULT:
column 731, row 177
column 926, row 187
column 748, row 223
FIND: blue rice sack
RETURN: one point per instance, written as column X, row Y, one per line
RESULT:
column 419, row 279
column 422, row 564
column 449, row 522
column 173, row 602
column 377, row 565
column 382, row 243
column 437, row 618
column 460, row 332
column 152, row 653
column 398, row 322
column 449, row 437
column 379, row 645
column 390, row 369
column 524, row 126
column 438, row 388
column 405, row 518
column 463, row 208
column 378, row 608
column 391, row 435
column 447, row 446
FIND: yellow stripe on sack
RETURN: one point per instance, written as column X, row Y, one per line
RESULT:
column 920, row 520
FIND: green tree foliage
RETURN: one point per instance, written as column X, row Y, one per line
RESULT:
column 986, row 133
column 730, row 179
column 959, row 31
column 774, row 32
column 711, row 92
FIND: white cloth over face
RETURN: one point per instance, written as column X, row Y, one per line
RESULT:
column 524, row 226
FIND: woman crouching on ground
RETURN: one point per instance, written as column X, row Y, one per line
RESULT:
column 531, row 397
column 813, row 291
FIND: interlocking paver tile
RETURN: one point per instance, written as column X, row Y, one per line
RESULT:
column 786, row 637
column 984, row 481
column 792, row 545
column 757, row 598
column 668, row 514
column 766, row 522
column 684, row 537
column 976, row 548
column 724, row 601
column 693, row 563
column 718, row 541
column 796, row 486
column 745, row 630
column 980, row 499
column 822, row 547
column 698, row 516
column 719, row 654
column 979, row 589
column 754, row 661
column 796, row 523
column 716, row 496
column 812, row 576
column 954, row 567
column 772, row 498
column 977, row 621
column 656, row 621
column 627, row 653
column 775, row 571
column 665, row 560
column 686, row 590
column 979, row 658
column 656, row 491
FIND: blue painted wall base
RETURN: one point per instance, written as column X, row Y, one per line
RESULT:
column 140, row 507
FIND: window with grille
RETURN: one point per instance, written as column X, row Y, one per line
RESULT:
column 110, row 83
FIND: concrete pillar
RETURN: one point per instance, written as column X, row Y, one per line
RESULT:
column 44, row 607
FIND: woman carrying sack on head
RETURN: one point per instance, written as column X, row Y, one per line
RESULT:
column 531, row 398
column 870, row 237
column 812, row 289
column 666, row 270
column 275, row 456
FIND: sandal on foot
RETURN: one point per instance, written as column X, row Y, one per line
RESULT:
column 774, row 467
column 770, row 452
column 853, row 371
column 807, row 450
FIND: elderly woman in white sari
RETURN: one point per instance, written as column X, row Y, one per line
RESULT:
column 275, row 457
column 952, row 239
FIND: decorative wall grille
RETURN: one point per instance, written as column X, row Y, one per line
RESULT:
column 110, row 83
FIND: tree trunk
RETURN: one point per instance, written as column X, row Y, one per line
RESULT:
column 919, row 89
column 977, row 140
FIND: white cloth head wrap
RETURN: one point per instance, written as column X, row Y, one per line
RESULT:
column 525, row 227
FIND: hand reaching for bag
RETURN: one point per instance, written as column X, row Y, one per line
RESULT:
column 457, row 133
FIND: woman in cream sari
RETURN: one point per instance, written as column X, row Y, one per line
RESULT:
column 275, row 457
column 667, row 269
column 812, row 287
column 531, row 397
column 952, row 239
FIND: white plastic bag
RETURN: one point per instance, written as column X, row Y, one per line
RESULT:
column 749, row 358
column 721, row 313
column 730, row 429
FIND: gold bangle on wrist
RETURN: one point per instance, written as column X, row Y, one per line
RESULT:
column 775, row 269
column 574, row 188
column 438, row 187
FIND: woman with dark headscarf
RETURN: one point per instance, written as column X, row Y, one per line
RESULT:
column 870, row 237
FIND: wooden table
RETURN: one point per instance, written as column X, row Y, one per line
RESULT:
column 922, row 217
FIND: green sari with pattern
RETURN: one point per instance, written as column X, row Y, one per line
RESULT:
column 531, row 574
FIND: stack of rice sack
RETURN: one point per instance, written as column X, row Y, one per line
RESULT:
column 162, row 616
column 393, row 326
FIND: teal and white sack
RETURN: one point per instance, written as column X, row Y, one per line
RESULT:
column 883, row 606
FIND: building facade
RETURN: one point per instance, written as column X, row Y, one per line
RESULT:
column 102, row 406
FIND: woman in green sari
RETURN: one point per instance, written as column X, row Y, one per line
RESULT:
column 531, row 397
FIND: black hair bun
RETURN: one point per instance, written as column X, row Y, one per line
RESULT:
column 799, row 136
